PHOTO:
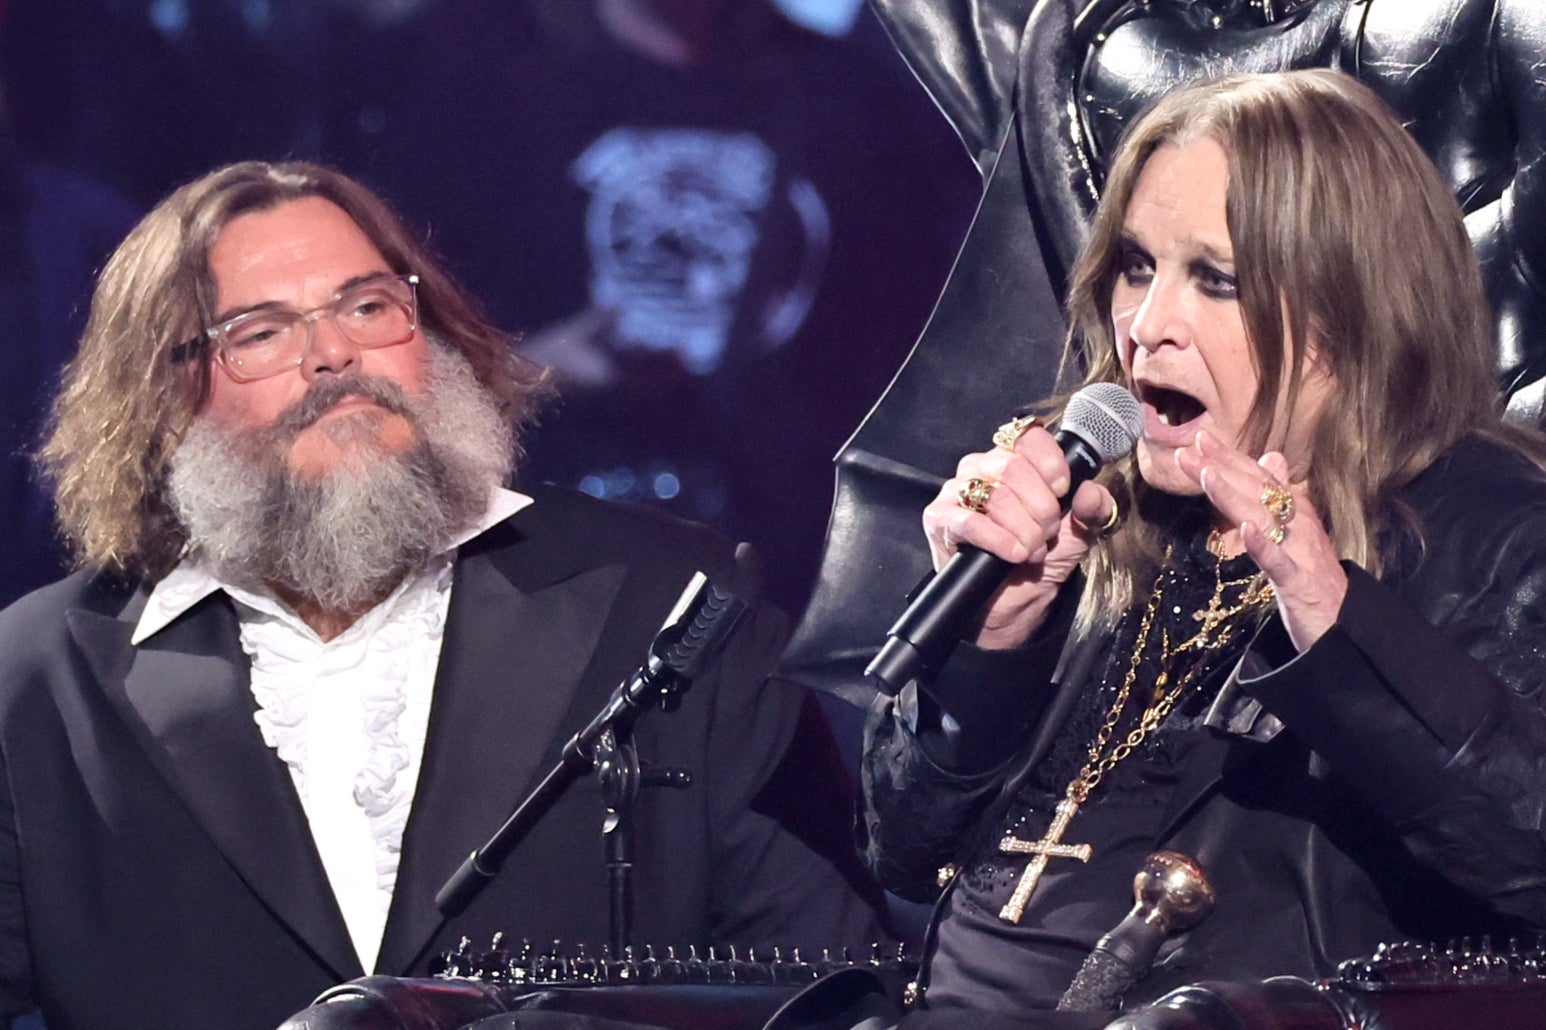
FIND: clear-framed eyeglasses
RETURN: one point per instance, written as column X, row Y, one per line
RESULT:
column 377, row 312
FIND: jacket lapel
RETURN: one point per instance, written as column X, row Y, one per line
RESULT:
column 1074, row 665
column 184, row 696
column 1079, row 653
column 1234, row 718
column 514, row 653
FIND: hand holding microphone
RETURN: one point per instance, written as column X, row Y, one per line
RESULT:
column 1015, row 515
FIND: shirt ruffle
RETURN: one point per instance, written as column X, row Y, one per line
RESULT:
column 380, row 789
column 398, row 633
column 284, row 702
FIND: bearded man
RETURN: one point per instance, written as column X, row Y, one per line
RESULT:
column 316, row 651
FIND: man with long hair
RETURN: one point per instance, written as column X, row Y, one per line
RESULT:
column 316, row 650
column 1297, row 635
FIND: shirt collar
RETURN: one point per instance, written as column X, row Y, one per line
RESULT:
column 193, row 580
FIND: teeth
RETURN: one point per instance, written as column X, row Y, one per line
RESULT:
column 1164, row 417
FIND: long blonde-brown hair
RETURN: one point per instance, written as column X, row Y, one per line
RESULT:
column 125, row 403
column 1339, row 220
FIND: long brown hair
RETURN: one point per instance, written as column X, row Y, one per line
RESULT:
column 124, row 401
column 1338, row 219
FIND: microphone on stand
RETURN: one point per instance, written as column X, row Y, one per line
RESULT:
column 1101, row 422
column 695, row 632
column 1170, row 894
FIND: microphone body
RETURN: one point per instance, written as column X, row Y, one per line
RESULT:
column 932, row 624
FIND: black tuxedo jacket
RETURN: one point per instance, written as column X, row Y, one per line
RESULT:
column 157, row 869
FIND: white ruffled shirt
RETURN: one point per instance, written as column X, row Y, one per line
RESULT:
column 348, row 716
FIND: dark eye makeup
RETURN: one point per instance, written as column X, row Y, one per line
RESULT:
column 1134, row 264
column 1215, row 282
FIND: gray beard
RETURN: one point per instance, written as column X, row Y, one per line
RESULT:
column 345, row 540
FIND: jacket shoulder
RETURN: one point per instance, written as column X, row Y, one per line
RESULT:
column 566, row 528
column 1483, row 497
column 38, row 618
column 38, row 650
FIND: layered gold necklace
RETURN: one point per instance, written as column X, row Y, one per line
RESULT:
column 1217, row 622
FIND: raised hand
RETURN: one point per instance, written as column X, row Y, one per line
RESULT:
column 1290, row 545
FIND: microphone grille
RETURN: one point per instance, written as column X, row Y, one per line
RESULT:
column 1106, row 416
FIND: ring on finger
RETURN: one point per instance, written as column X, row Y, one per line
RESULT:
column 1106, row 528
column 1278, row 501
column 1112, row 521
column 1008, row 434
column 1278, row 532
column 974, row 495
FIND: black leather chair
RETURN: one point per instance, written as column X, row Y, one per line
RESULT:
column 1038, row 91
column 1405, row 987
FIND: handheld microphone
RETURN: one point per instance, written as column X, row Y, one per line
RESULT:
column 1102, row 422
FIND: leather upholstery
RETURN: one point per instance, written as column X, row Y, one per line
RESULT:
column 1038, row 91
column 842, row 1000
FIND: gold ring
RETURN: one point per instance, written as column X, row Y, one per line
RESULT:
column 1008, row 434
column 1106, row 528
column 1278, row 502
column 1278, row 531
column 1111, row 524
column 974, row 495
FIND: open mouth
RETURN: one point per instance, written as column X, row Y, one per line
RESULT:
column 1173, row 407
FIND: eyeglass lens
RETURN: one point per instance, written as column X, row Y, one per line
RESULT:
column 377, row 313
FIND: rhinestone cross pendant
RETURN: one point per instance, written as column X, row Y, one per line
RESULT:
column 1049, row 847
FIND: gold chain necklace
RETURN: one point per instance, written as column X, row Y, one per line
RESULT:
column 1217, row 627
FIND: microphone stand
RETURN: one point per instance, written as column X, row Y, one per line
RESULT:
column 694, row 633
column 620, row 775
